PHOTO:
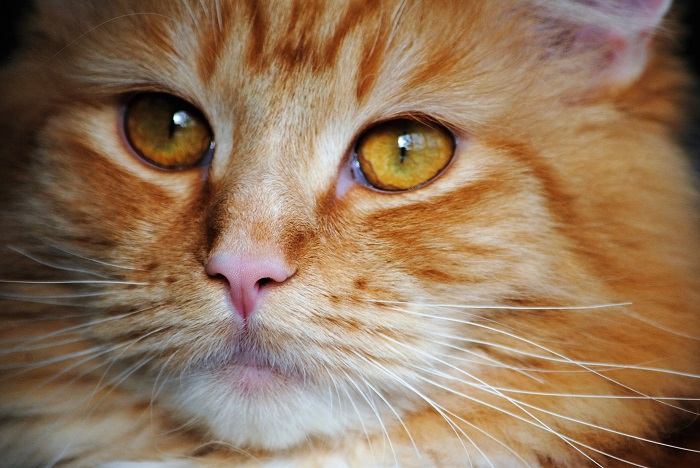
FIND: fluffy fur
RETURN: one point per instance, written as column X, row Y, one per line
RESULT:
column 424, row 328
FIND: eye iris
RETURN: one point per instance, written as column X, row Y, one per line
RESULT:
column 167, row 131
column 402, row 154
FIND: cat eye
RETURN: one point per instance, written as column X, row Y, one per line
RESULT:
column 403, row 154
column 167, row 131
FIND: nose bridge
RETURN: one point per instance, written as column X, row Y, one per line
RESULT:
column 260, row 188
column 247, row 214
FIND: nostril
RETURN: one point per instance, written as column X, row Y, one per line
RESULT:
column 219, row 277
column 262, row 282
column 246, row 277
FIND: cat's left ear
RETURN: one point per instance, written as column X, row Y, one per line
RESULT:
column 612, row 37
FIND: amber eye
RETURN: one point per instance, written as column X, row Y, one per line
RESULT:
column 167, row 131
column 403, row 154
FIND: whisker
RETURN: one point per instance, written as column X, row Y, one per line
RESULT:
column 94, row 406
column 570, row 439
column 492, row 389
column 54, row 265
column 116, row 358
column 53, row 360
column 451, row 424
column 40, row 346
column 99, row 262
column 544, row 348
column 21, row 297
column 529, row 370
column 658, row 326
column 50, row 302
column 507, row 307
column 73, row 282
column 609, row 365
column 540, row 424
column 593, row 395
column 396, row 414
column 78, row 327
column 492, row 361
column 376, row 414
column 608, row 429
column 79, row 363
column 156, row 389
column 33, row 319
column 79, row 37
column 357, row 412
column 229, row 446
column 511, row 400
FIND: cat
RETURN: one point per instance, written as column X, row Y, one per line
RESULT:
column 362, row 233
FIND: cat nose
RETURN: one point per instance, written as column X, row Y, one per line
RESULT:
column 247, row 277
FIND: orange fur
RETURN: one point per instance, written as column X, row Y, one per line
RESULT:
column 569, row 188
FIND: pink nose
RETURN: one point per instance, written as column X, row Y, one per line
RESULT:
column 246, row 277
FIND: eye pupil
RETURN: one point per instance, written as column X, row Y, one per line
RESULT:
column 402, row 152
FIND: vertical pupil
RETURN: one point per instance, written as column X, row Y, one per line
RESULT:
column 404, row 142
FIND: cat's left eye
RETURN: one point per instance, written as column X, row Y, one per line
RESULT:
column 167, row 131
column 402, row 154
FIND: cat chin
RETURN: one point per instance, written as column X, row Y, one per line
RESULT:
column 271, row 419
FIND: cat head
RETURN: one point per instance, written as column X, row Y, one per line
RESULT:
column 272, row 268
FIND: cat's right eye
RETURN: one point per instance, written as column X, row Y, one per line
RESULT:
column 167, row 131
column 402, row 154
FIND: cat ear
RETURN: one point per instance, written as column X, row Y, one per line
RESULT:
column 614, row 35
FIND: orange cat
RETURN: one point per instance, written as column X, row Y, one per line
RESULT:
column 364, row 233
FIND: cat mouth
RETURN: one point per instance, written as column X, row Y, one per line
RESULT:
column 252, row 372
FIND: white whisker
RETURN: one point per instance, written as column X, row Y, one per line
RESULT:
column 22, row 297
column 494, row 390
column 441, row 408
column 570, row 439
column 376, row 414
column 492, row 361
column 73, row 282
column 658, row 326
column 357, row 412
column 508, row 307
column 451, row 424
column 156, row 389
column 94, row 260
column 544, row 348
column 511, row 400
column 609, row 365
column 490, row 389
column 54, row 265
column 25, row 349
column 396, row 414
column 78, row 327
column 593, row 395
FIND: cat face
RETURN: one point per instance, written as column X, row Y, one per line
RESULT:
column 275, row 288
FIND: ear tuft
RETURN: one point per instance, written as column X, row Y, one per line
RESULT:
column 616, row 33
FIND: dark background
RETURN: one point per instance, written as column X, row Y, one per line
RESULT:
column 12, row 12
